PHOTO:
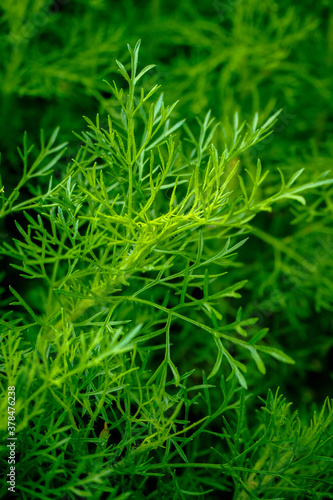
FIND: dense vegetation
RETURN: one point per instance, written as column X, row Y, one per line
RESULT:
column 167, row 270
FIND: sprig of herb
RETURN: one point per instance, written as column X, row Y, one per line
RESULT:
column 127, row 251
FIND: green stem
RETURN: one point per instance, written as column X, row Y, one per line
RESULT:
column 282, row 247
column 252, row 483
column 130, row 145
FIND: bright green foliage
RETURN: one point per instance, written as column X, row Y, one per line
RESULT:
column 134, row 333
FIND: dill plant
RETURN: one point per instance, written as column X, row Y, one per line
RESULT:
column 132, row 380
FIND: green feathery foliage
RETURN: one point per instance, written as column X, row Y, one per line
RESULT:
column 128, row 348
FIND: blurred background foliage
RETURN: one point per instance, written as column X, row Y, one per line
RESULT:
column 247, row 56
